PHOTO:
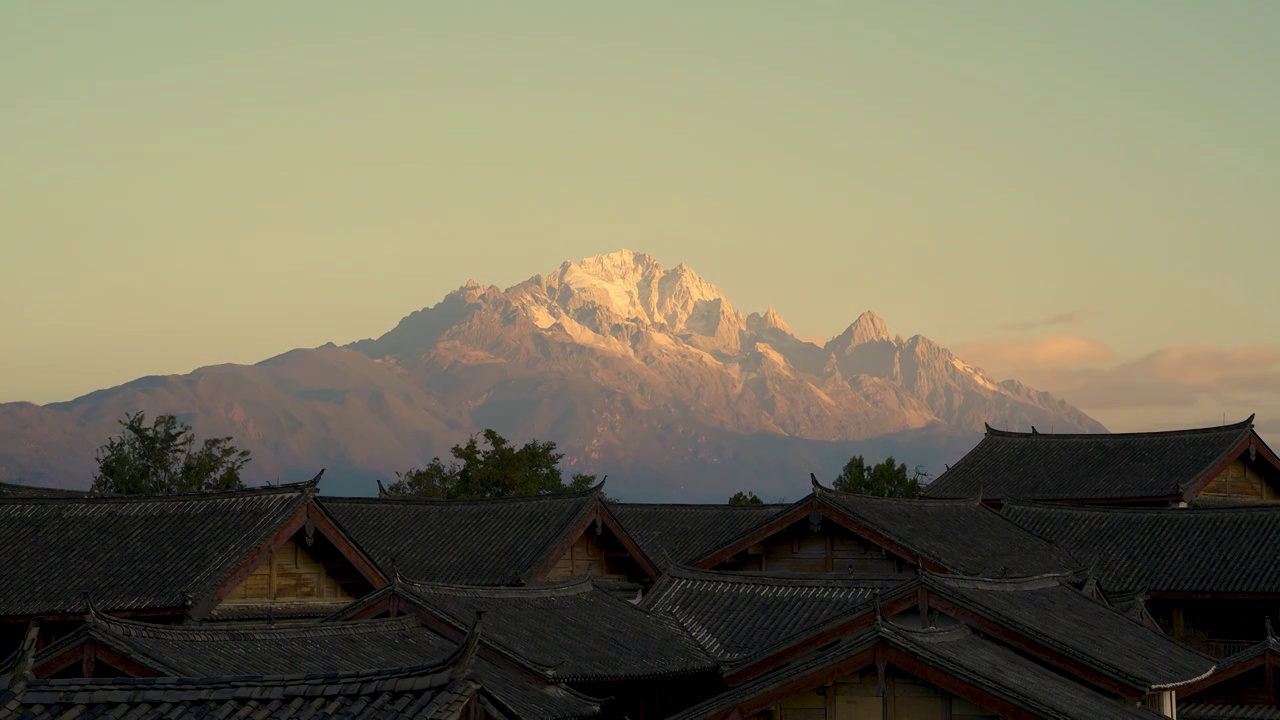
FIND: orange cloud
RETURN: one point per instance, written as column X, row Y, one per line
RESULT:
column 1053, row 351
column 1074, row 317
column 1187, row 377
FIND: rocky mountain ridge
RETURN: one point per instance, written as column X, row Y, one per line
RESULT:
column 647, row 374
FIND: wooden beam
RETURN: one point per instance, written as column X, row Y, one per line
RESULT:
column 86, row 660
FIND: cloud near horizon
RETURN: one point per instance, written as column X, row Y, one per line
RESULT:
column 1170, row 387
column 1074, row 317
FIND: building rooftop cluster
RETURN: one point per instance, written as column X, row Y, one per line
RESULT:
column 1042, row 576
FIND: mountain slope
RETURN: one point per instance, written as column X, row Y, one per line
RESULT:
column 647, row 374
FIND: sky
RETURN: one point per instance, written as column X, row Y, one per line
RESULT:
column 1083, row 195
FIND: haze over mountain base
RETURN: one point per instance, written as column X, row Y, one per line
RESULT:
column 644, row 374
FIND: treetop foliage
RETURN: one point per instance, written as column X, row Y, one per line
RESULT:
column 163, row 459
column 885, row 479
column 748, row 498
column 495, row 469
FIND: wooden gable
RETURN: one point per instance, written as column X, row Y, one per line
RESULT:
column 308, row 562
column 295, row 573
column 859, row 694
column 599, row 555
column 798, row 548
column 1245, row 479
column 597, row 546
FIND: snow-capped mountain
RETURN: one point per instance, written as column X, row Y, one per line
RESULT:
column 645, row 373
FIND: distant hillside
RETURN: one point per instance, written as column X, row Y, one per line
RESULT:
column 645, row 374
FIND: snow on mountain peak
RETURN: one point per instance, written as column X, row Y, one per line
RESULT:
column 631, row 285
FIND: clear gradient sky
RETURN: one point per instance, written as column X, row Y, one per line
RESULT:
column 1084, row 195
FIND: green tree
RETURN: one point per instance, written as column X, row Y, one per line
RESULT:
column 886, row 479
column 163, row 459
column 749, row 498
column 495, row 468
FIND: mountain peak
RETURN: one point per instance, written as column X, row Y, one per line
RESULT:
column 869, row 327
column 773, row 319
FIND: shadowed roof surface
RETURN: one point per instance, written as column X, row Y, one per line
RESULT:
column 1046, row 466
column 499, row 541
column 132, row 552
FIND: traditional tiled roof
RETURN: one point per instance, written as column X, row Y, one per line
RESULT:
column 1201, row 711
column 955, row 652
column 960, row 536
column 436, row 689
column 682, row 534
column 260, row 649
column 1053, row 614
column 132, row 552
column 12, row 490
column 212, row 651
column 568, row 632
column 1199, row 550
column 1097, row 466
column 737, row 616
column 499, row 541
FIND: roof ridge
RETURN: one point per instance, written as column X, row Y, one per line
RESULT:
column 1245, row 424
column 695, row 505
column 250, row 631
column 1188, row 511
column 575, row 586
column 259, row 490
column 420, row 500
column 1009, row 584
column 687, row 572
column 820, row 489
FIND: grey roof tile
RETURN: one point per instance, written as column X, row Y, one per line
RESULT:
column 135, row 552
column 1200, row 550
column 1056, row 615
column 683, row 534
column 574, row 631
column 735, row 616
column 1119, row 466
column 499, row 541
